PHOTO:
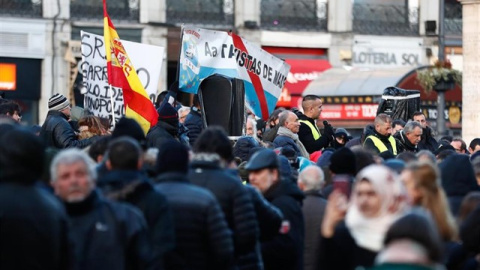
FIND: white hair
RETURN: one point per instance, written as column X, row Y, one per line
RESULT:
column 312, row 177
column 183, row 109
column 71, row 156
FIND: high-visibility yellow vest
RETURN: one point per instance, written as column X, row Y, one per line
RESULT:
column 381, row 146
column 316, row 134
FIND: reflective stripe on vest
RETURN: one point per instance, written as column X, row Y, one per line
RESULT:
column 316, row 134
column 381, row 146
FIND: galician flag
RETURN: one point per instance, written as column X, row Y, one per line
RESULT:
column 122, row 74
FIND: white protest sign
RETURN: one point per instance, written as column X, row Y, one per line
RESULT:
column 147, row 60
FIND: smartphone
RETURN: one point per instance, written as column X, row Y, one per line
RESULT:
column 343, row 183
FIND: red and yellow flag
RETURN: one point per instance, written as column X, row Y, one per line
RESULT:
column 122, row 74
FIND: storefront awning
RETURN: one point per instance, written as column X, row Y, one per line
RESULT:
column 340, row 82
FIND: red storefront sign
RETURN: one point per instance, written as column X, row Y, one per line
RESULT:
column 349, row 111
column 302, row 72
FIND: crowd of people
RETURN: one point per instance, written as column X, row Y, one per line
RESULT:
column 293, row 193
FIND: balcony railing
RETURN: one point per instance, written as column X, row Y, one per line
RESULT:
column 21, row 8
column 92, row 10
column 201, row 12
column 287, row 15
column 385, row 20
column 453, row 18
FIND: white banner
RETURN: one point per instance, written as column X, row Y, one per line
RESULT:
column 147, row 60
column 207, row 52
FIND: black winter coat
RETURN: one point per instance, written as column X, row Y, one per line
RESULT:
column 57, row 132
column 33, row 229
column 427, row 141
column 194, row 123
column 234, row 200
column 160, row 133
column 306, row 136
column 135, row 188
column 284, row 141
column 203, row 239
column 285, row 250
column 403, row 144
column 108, row 235
column 313, row 211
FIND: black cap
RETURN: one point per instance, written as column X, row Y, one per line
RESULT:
column 265, row 158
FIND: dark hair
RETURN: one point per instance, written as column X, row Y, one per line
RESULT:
column 124, row 153
column 214, row 139
column 160, row 98
column 399, row 122
column 274, row 116
column 469, row 203
column 310, row 97
column 363, row 158
column 407, row 157
column 10, row 107
column 463, row 145
column 474, row 143
column 445, row 153
column 417, row 113
column 447, row 138
column 418, row 227
column 99, row 147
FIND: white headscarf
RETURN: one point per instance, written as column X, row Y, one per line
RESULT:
column 367, row 232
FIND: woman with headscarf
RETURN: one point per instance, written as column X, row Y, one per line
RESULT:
column 377, row 200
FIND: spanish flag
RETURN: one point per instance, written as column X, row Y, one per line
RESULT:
column 122, row 74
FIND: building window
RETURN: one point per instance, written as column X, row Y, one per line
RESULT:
column 453, row 17
column 385, row 17
column 301, row 15
column 201, row 12
column 92, row 10
column 21, row 8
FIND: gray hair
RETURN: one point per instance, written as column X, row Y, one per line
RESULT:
column 427, row 154
column 183, row 109
column 312, row 177
column 410, row 126
column 282, row 117
column 71, row 156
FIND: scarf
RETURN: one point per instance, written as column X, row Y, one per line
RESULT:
column 283, row 131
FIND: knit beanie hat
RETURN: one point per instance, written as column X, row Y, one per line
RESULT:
column 129, row 127
column 167, row 113
column 172, row 157
column 343, row 161
column 58, row 102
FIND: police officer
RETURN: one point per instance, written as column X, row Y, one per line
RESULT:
column 285, row 249
column 380, row 139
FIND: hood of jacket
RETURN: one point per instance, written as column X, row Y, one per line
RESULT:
column 284, row 188
column 124, row 185
column 404, row 140
column 458, row 177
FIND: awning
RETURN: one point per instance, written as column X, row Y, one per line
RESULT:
column 340, row 82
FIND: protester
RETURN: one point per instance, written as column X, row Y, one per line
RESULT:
column 105, row 234
column 377, row 201
column 459, row 145
column 56, row 131
column 33, row 224
column 342, row 164
column 397, row 125
column 126, row 182
column 380, row 141
column 166, row 127
column 90, row 126
column 409, row 137
column 273, row 126
column 287, row 134
column 12, row 110
column 212, row 155
column 458, row 179
column 311, row 181
column 426, row 155
column 194, row 121
column 341, row 137
column 203, row 240
column 284, row 250
column 182, row 114
column 474, row 146
column 428, row 141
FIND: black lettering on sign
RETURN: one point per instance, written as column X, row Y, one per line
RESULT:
column 86, row 47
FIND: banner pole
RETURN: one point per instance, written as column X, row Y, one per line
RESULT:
column 113, row 103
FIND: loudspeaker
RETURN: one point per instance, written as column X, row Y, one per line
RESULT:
column 222, row 100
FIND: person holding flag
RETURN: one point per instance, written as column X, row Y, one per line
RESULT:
column 122, row 74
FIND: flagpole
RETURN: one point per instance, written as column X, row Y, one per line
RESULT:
column 113, row 103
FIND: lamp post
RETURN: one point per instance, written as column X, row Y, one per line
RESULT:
column 441, row 128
